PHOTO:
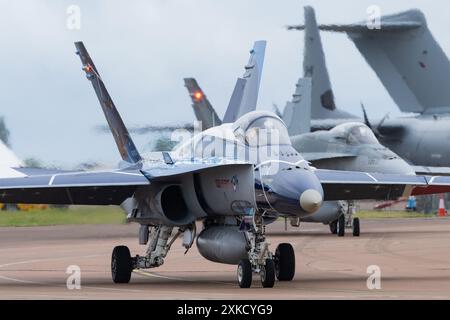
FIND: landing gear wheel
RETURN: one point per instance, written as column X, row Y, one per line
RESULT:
column 284, row 262
column 333, row 227
column 267, row 274
column 341, row 226
column 244, row 273
column 355, row 227
column 121, row 266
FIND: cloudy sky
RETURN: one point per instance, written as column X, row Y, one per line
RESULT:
column 143, row 49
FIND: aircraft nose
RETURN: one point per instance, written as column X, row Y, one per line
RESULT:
column 311, row 200
column 296, row 191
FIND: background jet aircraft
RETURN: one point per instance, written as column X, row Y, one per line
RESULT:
column 414, row 70
column 198, row 182
column 351, row 146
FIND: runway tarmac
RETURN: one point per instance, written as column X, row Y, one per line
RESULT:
column 413, row 256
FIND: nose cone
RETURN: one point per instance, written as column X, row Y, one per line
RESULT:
column 295, row 191
column 311, row 200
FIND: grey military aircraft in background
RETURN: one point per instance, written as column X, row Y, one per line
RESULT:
column 415, row 71
column 208, row 178
column 349, row 146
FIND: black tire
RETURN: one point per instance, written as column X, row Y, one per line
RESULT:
column 244, row 273
column 121, row 266
column 284, row 262
column 333, row 227
column 267, row 274
column 341, row 226
column 356, row 227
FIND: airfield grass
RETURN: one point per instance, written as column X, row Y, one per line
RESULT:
column 392, row 214
column 114, row 215
column 63, row 216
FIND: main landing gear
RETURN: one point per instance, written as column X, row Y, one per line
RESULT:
column 122, row 264
column 280, row 265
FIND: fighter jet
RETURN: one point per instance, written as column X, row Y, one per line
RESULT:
column 230, row 177
column 415, row 71
column 350, row 146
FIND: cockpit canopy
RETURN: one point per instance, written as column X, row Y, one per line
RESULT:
column 355, row 133
column 261, row 128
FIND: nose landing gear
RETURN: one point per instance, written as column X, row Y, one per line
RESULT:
column 262, row 261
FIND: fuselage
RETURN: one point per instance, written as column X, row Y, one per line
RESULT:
column 422, row 140
column 349, row 146
column 285, row 184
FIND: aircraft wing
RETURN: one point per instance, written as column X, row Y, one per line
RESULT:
column 112, row 187
column 314, row 156
column 352, row 185
column 435, row 171
column 362, row 27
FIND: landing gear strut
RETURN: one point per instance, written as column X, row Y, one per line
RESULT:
column 122, row 264
column 352, row 222
column 262, row 261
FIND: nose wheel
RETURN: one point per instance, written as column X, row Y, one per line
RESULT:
column 333, row 227
column 267, row 274
column 244, row 273
column 262, row 261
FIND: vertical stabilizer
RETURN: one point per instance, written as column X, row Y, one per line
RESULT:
column 245, row 94
column 314, row 67
column 125, row 144
column 409, row 62
column 203, row 109
column 297, row 113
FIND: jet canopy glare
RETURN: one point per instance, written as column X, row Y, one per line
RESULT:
column 355, row 133
column 262, row 130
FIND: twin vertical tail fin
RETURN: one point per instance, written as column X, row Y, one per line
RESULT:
column 245, row 94
column 125, row 144
column 297, row 113
column 203, row 109
column 244, row 97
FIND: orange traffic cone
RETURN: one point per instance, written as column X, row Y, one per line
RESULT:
column 442, row 211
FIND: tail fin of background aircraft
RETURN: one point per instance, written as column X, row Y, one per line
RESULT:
column 297, row 113
column 407, row 59
column 245, row 94
column 314, row 67
column 233, row 111
column 203, row 109
column 125, row 144
column 410, row 63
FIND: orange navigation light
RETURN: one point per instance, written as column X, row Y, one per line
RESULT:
column 198, row 95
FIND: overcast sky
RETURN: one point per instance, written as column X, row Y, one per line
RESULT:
column 143, row 49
